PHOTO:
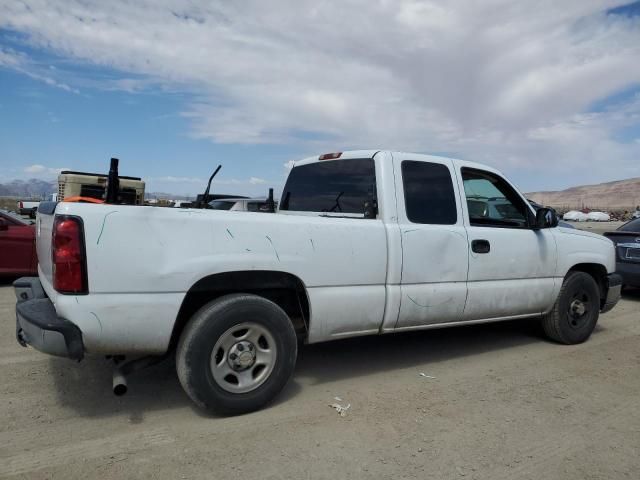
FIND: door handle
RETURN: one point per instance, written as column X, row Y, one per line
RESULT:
column 480, row 246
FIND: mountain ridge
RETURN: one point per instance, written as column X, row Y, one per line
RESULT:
column 619, row 194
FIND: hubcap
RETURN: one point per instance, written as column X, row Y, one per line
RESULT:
column 578, row 310
column 243, row 357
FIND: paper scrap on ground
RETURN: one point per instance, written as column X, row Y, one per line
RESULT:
column 422, row 374
column 340, row 409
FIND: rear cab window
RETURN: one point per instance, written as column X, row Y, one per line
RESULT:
column 340, row 187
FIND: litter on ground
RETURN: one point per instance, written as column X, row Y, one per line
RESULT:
column 422, row 374
column 340, row 409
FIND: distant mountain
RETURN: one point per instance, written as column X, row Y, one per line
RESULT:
column 165, row 195
column 33, row 188
column 621, row 194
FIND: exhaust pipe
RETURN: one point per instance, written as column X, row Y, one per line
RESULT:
column 125, row 368
column 119, row 383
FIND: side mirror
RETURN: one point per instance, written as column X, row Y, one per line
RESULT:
column 546, row 218
column 3, row 225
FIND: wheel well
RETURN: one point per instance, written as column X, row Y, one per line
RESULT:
column 284, row 289
column 599, row 274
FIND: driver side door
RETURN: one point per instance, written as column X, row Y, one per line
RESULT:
column 511, row 265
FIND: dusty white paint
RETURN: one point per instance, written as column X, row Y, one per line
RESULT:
column 362, row 276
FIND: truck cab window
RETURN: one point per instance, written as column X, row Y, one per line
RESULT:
column 428, row 193
column 334, row 186
column 492, row 202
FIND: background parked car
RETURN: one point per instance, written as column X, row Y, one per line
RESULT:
column 17, row 246
column 241, row 204
column 28, row 208
column 627, row 240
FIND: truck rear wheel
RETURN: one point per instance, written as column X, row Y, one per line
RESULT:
column 576, row 311
column 236, row 354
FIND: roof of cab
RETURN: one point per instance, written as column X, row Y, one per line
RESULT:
column 418, row 156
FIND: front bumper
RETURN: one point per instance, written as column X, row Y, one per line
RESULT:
column 38, row 325
column 614, row 292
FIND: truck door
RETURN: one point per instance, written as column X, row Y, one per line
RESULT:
column 435, row 249
column 511, row 266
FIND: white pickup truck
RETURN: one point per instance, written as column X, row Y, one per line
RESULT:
column 27, row 207
column 363, row 242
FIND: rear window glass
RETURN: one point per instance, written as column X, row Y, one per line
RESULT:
column 259, row 206
column 338, row 186
column 428, row 193
column 221, row 205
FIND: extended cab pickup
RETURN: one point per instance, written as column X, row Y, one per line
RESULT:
column 363, row 242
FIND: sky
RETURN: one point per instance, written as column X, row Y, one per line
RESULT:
column 546, row 91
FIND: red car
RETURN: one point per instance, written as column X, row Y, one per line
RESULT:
column 17, row 246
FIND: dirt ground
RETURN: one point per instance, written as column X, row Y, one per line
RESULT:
column 503, row 403
column 597, row 227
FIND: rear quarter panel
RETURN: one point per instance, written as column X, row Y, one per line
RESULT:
column 141, row 261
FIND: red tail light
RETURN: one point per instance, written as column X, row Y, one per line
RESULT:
column 68, row 256
column 21, row 205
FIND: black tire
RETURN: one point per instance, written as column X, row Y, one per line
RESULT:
column 566, row 322
column 211, row 324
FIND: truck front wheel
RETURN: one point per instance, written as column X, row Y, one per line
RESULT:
column 576, row 311
column 236, row 354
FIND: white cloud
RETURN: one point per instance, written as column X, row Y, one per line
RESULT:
column 498, row 81
column 40, row 171
column 35, row 169
column 22, row 64
column 257, row 181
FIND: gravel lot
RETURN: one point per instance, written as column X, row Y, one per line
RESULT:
column 504, row 404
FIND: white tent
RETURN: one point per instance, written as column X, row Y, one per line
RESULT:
column 598, row 217
column 575, row 216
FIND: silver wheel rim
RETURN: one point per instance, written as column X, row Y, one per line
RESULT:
column 243, row 357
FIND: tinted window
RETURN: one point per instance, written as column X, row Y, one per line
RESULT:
column 259, row 206
column 221, row 205
column 340, row 186
column 255, row 206
column 428, row 193
column 632, row 226
column 491, row 201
